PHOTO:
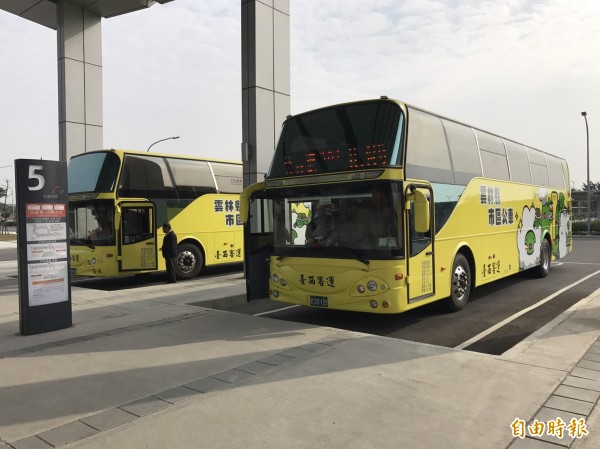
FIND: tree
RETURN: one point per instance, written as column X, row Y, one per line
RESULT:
column 5, row 214
column 5, row 211
column 594, row 186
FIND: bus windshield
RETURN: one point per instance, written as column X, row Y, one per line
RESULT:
column 93, row 172
column 92, row 223
column 355, row 136
column 359, row 221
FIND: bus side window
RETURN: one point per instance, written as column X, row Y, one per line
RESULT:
column 192, row 178
column 142, row 177
column 136, row 224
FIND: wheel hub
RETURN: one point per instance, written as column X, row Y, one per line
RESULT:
column 186, row 261
column 461, row 282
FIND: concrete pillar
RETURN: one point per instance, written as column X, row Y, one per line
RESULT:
column 79, row 44
column 265, row 81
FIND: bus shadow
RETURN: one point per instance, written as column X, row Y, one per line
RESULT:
column 431, row 323
column 486, row 290
column 148, row 279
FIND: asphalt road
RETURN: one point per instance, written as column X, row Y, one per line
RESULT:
column 505, row 301
column 145, row 280
column 8, row 254
column 498, row 316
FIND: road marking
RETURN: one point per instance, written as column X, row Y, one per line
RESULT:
column 276, row 310
column 579, row 263
column 497, row 326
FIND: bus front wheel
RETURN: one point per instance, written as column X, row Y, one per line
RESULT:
column 460, row 287
column 189, row 261
column 544, row 267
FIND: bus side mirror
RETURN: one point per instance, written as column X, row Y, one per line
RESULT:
column 244, row 207
column 118, row 212
column 245, row 200
column 422, row 217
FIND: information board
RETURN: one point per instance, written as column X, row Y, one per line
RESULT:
column 43, row 247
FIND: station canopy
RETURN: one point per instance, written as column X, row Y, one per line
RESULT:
column 44, row 11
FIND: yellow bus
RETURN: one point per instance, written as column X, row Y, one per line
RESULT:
column 119, row 199
column 380, row 206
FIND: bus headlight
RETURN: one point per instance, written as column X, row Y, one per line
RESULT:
column 275, row 278
column 373, row 304
column 360, row 289
column 275, row 294
column 92, row 261
column 283, row 282
column 372, row 285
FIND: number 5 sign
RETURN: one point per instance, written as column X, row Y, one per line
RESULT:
column 43, row 246
column 35, row 173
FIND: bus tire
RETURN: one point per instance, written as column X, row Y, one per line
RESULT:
column 460, row 283
column 189, row 261
column 543, row 268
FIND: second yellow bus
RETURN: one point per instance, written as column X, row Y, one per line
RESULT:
column 119, row 199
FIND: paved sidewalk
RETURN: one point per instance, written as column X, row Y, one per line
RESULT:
column 157, row 368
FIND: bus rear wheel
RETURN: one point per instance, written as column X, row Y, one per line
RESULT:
column 189, row 261
column 460, row 284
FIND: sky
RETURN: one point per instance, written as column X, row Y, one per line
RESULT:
column 522, row 69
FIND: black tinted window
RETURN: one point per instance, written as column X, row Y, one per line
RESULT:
column 93, row 172
column 340, row 138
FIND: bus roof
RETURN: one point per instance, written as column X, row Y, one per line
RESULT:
column 405, row 106
column 121, row 152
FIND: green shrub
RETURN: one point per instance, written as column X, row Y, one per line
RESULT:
column 580, row 227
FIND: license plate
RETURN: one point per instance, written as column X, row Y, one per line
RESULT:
column 318, row 301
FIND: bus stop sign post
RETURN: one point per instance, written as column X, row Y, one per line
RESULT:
column 43, row 246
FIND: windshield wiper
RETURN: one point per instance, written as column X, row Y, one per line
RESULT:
column 278, row 259
column 86, row 242
column 332, row 250
column 360, row 255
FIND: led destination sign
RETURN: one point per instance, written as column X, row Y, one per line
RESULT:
column 316, row 161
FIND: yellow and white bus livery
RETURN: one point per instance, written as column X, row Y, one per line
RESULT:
column 380, row 206
column 119, row 199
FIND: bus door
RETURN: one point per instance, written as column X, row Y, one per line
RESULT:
column 420, row 222
column 137, row 236
column 258, row 245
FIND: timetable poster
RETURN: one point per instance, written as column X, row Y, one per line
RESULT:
column 44, row 277
column 48, row 282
